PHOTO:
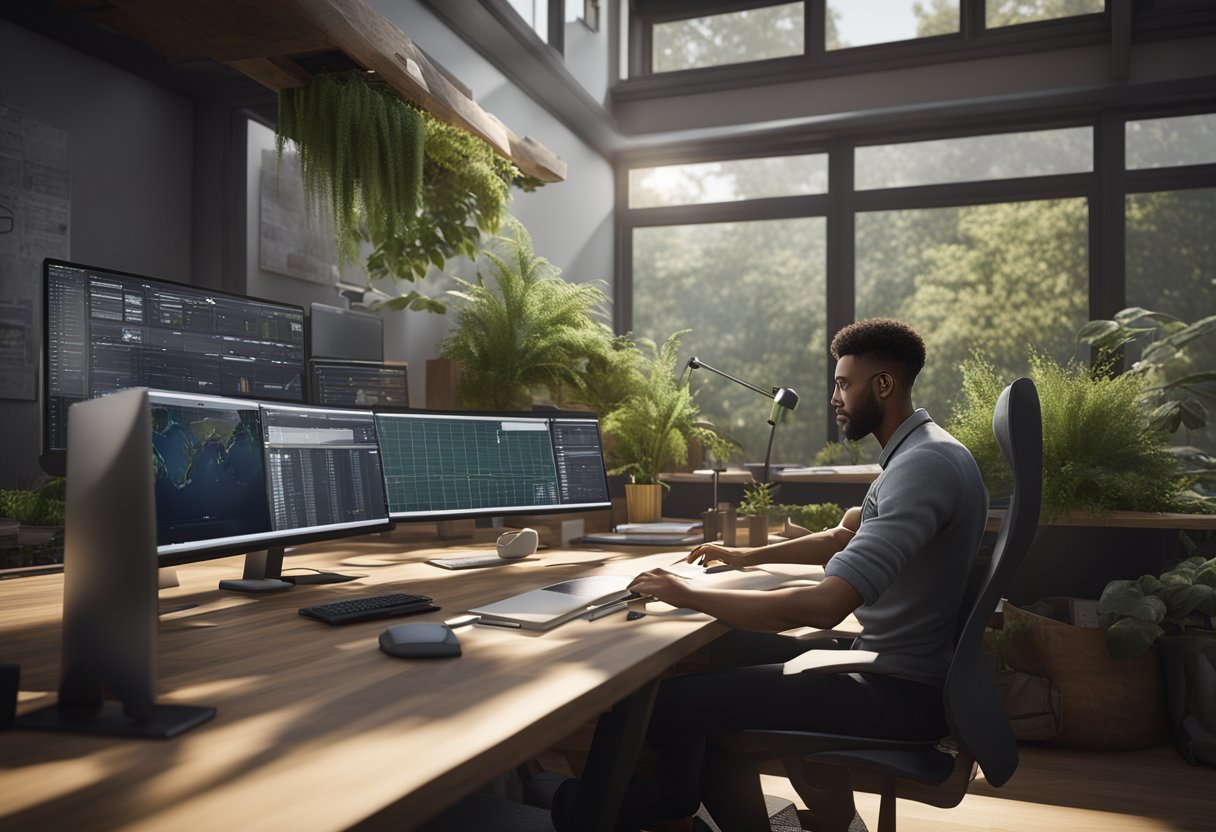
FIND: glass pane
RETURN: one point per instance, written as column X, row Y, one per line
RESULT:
column 1169, row 142
column 728, row 181
column 735, row 37
column 975, row 158
column 753, row 295
column 1171, row 267
column 863, row 22
column 535, row 13
column 1011, row 12
column 1000, row 279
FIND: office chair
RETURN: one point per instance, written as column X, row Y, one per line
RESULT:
column 936, row 773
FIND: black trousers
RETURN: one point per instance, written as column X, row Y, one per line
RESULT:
column 742, row 695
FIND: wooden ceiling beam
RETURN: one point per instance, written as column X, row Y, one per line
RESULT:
column 263, row 40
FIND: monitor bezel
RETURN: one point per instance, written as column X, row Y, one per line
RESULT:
column 54, row 463
column 546, row 415
column 354, row 362
column 210, row 549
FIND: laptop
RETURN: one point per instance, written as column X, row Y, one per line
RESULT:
column 549, row 606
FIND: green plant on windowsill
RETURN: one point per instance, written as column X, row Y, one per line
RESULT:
column 813, row 517
column 1100, row 451
column 757, row 500
column 650, row 429
column 523, row 326
column 1180, row 602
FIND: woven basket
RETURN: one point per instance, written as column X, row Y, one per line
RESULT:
column 1106, row 704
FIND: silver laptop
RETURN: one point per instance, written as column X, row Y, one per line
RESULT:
column 547, row 607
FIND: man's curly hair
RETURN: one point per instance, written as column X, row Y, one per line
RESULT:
column 885, row 339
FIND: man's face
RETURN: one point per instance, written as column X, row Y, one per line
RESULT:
column 858, row 408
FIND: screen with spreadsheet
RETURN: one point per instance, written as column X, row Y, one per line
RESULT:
column 453, row 465
column 105, row 330
column 358, row 384
column 322, row 468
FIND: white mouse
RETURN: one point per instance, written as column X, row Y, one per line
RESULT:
column 517, row 544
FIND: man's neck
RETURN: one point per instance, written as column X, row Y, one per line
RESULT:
column 895, row 416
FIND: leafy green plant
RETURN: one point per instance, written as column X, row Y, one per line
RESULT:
column 757, row 500
column 650, row 429
column 43, row 507
column 526, row 326
column 840, row 453
column 415, row 188
column 1099, row 451
column 607, row 378
column 361, row 147
column 813, row 516
column 1182, row 600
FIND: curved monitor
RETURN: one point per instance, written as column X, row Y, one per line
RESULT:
column 453, row 465
column 105, row 330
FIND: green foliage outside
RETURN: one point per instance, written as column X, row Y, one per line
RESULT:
column 525, row 327
column 42, row 507
column 932, row 14
column 1099, row 452
column 847, row 453
column 418, row 190
column 1182, row 601
column 757, row 499
column 651, row 428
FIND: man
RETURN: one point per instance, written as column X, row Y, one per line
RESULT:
column 900, row 563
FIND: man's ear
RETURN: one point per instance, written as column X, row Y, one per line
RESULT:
column 886, row 383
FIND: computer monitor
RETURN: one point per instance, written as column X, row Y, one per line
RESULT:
column 447, row 465
column 241, row 477
column 358, row 383
column 343, row 333
column 105, row 330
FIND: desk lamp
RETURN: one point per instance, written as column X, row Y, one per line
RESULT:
column 781, row 396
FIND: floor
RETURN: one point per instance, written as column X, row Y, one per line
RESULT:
column 1067, row 791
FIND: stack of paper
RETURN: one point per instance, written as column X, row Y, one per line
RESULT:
column 665, row 533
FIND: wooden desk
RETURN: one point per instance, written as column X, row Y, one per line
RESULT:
column 317, row 729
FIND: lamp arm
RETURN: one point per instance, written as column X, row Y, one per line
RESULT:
column 695, row 363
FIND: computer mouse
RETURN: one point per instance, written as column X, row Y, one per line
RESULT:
column 421, row 640
column 517, row 544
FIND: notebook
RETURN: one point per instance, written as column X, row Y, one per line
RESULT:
column 547, row 607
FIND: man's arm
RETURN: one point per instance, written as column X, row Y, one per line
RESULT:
column 813, row 549
column 822, row 606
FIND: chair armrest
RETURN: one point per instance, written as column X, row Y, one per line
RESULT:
column 835, row 661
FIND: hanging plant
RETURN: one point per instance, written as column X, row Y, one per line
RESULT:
column 465, row 190
column 361, row 148
column 417, row 189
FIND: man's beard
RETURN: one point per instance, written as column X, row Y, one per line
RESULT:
column 864, row 420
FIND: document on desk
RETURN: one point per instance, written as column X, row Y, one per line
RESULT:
column 547, row 607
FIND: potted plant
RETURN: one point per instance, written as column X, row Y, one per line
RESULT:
column 650, row 429
column 525, row 327
column 756, row 505
column 38, row 511
column 1182, row 601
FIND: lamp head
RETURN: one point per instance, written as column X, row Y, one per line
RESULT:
column 785, row 397
column 694, row 363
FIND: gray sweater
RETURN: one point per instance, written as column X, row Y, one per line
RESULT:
column 921, row 525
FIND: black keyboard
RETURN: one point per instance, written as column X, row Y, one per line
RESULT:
column 367, row 608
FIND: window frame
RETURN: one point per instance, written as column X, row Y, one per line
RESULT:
column 1105, row 190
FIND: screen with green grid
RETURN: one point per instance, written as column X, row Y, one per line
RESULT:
column 455, row 464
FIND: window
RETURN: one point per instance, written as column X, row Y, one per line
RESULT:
column 975, row 158
column 730, row 38
column 1170, row 142
column 864, row 22
column 1001, row 279
column 728, row 181
column 535, row 13
column 1012, row 12
column 1171, row 268
column 753, row 295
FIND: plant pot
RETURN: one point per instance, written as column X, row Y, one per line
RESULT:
column 1106, row 704
column 757, row 530
column 644, row 502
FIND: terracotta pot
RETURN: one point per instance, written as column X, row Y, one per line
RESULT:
column 644, row 503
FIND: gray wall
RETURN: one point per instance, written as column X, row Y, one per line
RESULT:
column 130, row 146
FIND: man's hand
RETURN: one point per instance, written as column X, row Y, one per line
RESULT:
column 663, row 586
column 707, row 552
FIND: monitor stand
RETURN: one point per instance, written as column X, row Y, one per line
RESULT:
column 264, row 573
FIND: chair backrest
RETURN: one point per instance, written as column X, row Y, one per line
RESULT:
column 978, row 723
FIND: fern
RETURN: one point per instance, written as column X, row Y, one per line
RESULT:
column 529, row 328
column 1099, row 451
column 650, row 429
